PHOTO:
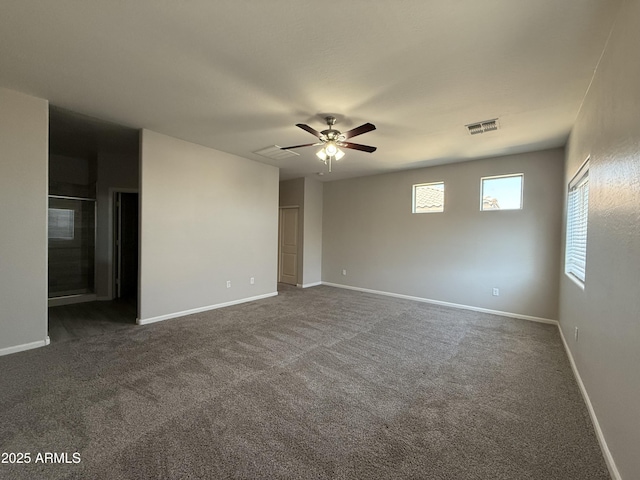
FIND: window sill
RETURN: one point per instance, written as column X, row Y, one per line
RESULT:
column 575, row 280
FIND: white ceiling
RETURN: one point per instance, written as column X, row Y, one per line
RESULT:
column 237, row 75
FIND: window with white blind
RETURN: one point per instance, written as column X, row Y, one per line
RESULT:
column 575, row 261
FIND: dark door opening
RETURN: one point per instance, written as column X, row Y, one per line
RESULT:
column 126, row 246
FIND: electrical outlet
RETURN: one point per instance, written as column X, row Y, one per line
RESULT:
column 496, row 292
column 228, row 283
column 252, row 280
column 344, row 272
column 575, row 334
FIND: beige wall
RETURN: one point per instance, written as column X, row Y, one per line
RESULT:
column 291, row 193
column 206, row 217
column 24, row 124
column 607, row 311
column 312, row 260
column 457, row 256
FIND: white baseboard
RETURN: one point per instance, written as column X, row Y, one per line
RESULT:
column 611, row 464
column 24, row 346
column 446, row 304
column 145, row 321
column 71, row 299
column 307, row 285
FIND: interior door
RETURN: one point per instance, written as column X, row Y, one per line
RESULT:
column 288, row 250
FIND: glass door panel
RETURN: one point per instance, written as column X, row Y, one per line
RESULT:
column 72, row 231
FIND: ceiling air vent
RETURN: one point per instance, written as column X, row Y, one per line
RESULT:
column 482, row 127
column 275, row 153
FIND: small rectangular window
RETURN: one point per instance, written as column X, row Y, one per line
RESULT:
column 503, row 192
column 575, row 260
column 61, row 223
column 428, row 197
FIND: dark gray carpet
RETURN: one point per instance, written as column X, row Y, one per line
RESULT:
column 80, row 320
column 317, row 383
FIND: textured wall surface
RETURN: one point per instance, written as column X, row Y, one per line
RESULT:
column 457, row 256
column 24, row 123
column 607, row 311
column 312, row 260
column 206, row 217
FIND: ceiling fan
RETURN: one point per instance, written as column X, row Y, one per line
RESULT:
column 331, row 139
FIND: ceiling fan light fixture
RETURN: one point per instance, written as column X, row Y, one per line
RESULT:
column 331, row 149
column 331, row 138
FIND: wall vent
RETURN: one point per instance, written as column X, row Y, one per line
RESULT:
column 482, row 127
column 275, row 153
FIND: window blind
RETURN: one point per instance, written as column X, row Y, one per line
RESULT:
column 577, row 216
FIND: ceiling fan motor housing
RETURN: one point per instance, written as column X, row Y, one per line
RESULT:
column 331, row 134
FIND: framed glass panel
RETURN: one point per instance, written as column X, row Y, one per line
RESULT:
column 61, row 223
column 503, row 192
column 428, row 197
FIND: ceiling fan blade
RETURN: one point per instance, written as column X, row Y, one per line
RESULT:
column 367, row 127
column 299, row 146
column 309, row 129
column 357, row 146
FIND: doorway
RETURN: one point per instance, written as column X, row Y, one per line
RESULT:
column 288, row 245
column 89, row 159
column 125, row 246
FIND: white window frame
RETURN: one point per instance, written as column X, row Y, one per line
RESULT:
column 413, row 196
column 575, row 251
column 493, row 177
